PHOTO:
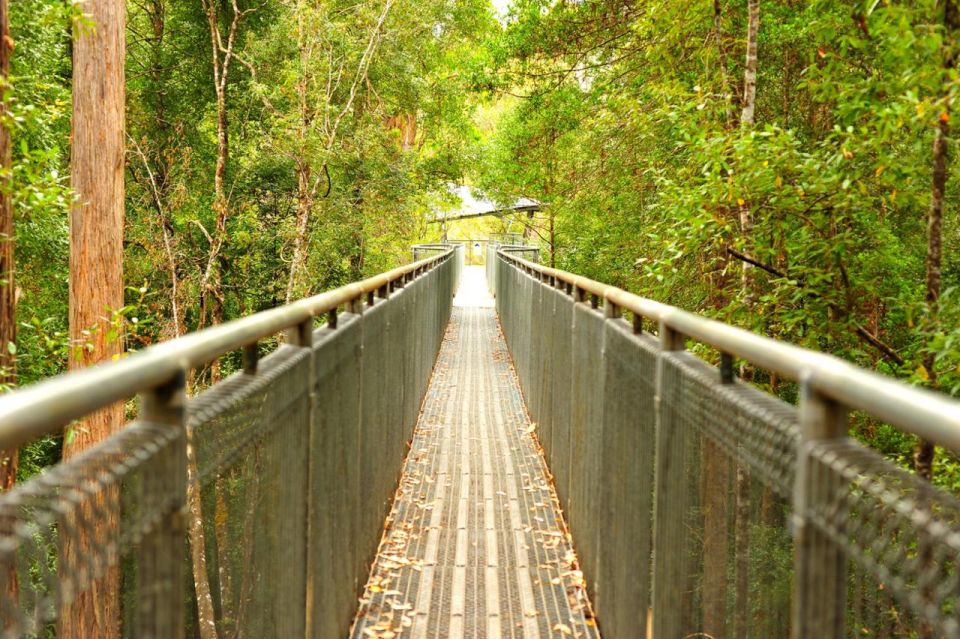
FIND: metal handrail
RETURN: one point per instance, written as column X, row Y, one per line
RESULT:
column 48, row 406
column 922, row 412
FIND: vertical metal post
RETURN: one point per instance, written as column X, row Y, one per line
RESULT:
column 726, row 368
column 820, row 566
column 251, row 358
column 355, row 306
column 160, row 592
column 610, row 310
column 301, row 334
column 671, row 340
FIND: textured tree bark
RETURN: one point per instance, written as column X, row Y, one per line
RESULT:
column 96, row 280
column 924, row 453
column 96, row 218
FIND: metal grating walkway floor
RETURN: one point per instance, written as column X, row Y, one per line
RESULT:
column 475, row 545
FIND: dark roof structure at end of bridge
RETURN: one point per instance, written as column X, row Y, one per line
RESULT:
column 471, row 206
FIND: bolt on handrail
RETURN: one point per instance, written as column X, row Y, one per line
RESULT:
column 48, row 406
column 919, row 411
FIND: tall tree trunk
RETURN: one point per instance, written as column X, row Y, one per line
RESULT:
column 300, row 241
column 924, row 453
column 722, row 61
column 211, row 285
column 748, row 285
column 8, row 288
column 304, row 169
column 97, row 217
column 96, row 277
column 747, row 119
column 715, row 486
column 207, row 625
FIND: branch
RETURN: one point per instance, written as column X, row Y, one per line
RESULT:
column 362, row 66
column 885, row 349
column 326, row 171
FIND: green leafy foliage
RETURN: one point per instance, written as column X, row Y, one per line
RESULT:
column 628, row 126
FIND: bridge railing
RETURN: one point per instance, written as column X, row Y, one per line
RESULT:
column 255, row 507
column 703, row 506
column 531, row 253
column 422, row 251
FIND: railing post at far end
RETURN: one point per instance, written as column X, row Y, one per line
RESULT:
column 820, row 566
column 671, row 340
column 159, row 555
column 301, row 334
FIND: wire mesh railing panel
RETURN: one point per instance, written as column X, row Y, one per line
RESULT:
column 537, row 354
column 622, row 599
column 548, row 364
column 724, row 555
column 767, row 521
column 248, row 497
column 108, row 518
column 375, row 401
column 252, row 509
column 337, row 558
column 900, row 537
column 562, row 399
column 586, row 437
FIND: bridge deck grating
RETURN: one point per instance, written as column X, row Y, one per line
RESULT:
column 475, row 545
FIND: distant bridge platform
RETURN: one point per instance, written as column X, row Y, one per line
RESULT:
column 471, row 206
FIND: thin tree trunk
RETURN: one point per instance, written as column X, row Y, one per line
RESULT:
column 747, row 286
column 96, row 278
column 304, row 188
column 211, row 285
column 722, row 61
column 747, row 119
column 741, row 612
column 714, row 488
column 747, row 116
column 8, row 289
column 304, row 208
column 198, row 551
column 924, row 453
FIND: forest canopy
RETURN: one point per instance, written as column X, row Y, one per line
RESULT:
column 786, row 167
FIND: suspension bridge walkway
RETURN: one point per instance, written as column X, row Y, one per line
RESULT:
column 446, row 452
